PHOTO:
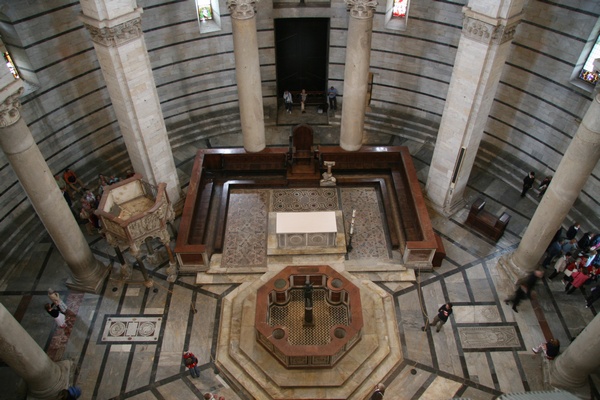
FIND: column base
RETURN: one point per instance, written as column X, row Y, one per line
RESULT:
column 512, row 271
column 446, row 211
column 93, row 285
column 582, row 392
column 61, row 382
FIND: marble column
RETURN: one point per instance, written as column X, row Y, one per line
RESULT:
column 44, row 378
column 115, row 29
column 247, row 73
column 485, row 43
column 571, row 175
column 572, row 368
column 24, row 156
column 356, row 73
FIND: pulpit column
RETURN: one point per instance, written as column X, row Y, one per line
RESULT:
column 24, row 156
column 572, row 368
column 572, row 173
column 116, row 32
column 247, row 73
column 356, row 73
column 488, row 29
column 44, row 378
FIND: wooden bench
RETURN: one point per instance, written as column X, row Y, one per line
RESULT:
column 485, row 222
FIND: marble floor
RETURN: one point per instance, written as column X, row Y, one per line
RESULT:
column 483, row 351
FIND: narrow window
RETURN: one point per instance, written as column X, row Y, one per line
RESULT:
column 11, row 65
column 204, row 10
column 396, row 14
column 209, row 16
column 589, row 72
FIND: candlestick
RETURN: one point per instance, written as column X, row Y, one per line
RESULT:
column 353, row 213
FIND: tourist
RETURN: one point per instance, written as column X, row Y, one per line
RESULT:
column 191, row 363
column 287, row 100
column 332, row 96
column 594, row 295
column 442, row 316
column 578, row 279
column 528, row 183
column 550, row 348
column 379, row 392
column 524, row 287
column 56, row 314
column 56, row 300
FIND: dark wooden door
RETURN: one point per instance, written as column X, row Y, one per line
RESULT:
column 301, row 53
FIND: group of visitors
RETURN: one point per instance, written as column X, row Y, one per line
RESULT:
column 529, row 181
column 577, row 260
column 288, row 99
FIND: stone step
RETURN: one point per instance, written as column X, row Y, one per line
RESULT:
column 398, row 276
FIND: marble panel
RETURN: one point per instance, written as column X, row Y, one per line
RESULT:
column 479, row 369
column 507, row 372
column 203, row 328
column 441, row 388
column 142, row 362
column 114, row 373
column 408, row 384
column 480, row 286
column 476, row 314
column 457, row 290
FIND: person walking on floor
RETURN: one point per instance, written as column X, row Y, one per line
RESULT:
column 528, row 183
column 191, row 363
column 442, row 316
column 56, row 314
column 594, row 295
column 524, row 287
column 287, row 100
column 56, row 300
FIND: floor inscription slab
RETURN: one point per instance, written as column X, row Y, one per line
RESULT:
column 472, row 337
column 128, row 329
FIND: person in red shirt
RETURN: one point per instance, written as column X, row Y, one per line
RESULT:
column 191, row 363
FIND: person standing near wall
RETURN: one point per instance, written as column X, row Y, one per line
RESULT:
column 332, row 96
column 287, row 100
column 528, row 183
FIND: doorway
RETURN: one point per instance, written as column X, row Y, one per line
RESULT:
column 301, row 54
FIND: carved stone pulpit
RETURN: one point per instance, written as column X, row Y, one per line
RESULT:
column 133, row 211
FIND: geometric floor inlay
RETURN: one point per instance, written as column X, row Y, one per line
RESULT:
column 120, row 329
column 472, row 337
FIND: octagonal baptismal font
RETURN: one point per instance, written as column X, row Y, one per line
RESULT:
column 308, row 320
column 308, row 332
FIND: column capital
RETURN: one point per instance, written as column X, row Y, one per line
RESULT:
column 488, row 30
column 242, row 9
column 113, row 36
column 361, row 9
column 9, row 109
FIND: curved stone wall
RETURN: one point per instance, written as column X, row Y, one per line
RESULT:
column 535, row 113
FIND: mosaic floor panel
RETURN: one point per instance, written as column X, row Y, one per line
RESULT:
column 369, row 239
column 246, row 231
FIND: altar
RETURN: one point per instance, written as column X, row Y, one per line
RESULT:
column 318, row 232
